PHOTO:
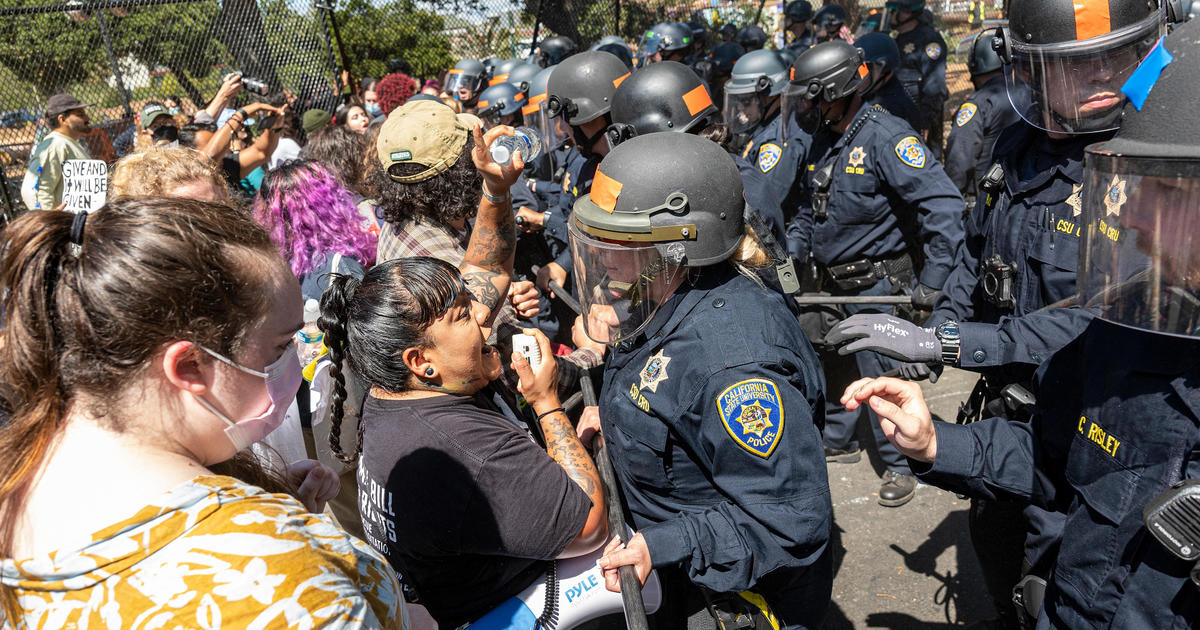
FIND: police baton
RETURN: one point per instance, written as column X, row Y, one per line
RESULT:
column 631, row 589
column 566, row 298
column 818, row 300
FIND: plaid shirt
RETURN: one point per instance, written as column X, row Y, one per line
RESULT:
column 422, row 237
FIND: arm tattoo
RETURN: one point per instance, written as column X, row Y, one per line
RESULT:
column 479, row 283
column 564, row 447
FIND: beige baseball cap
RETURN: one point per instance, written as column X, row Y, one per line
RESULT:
column 428, row 133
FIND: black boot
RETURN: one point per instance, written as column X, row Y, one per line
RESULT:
column 897, row 489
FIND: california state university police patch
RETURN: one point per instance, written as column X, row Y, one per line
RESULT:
column 965, row 114
column 768, row 157
column 911, row 152
column 753, row 415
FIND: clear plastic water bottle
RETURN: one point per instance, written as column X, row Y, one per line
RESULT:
column 524, row 139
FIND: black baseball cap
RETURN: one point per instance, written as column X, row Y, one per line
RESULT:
column 61, row 103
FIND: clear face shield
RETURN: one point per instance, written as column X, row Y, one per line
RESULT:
column 800, row 111
column 458, row 81
column 621, row 284
column 743, row 112
column 650, row 45
column 1076, row 86
column 554, row 129
column 1139, row 262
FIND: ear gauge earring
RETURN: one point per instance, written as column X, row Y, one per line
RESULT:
column 429, row 372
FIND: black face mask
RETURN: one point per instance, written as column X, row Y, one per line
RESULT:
column 167, row 133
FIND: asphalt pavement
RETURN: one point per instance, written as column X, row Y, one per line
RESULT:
column 910, row 566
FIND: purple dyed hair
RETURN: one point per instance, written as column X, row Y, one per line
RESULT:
column 310, row 216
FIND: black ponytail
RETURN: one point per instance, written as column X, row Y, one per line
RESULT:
column 333, row 323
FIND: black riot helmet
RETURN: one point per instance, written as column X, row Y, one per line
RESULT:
column 501, row 71
column 1139, row 264
column 826, row 73
column 799, row 11
column 725, row 54
column 500, row 104
column 614, row 45
column 489, row 64
column 666, row 96
column 664, row 38
column 522, row 75
column 983, row 58
column 879, row 50
column 829, row 21
column 659, row 203
column 757, row 77
column 751, row 37
column 581, row 88
column 727, row 30
column 1075, row 56
column 553, row 50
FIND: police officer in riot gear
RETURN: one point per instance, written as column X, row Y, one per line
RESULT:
column 465, row 80
column 922, row 64
column 978, row 122
column 1114, row 435
column 751, row 106
column 720, row 67
column 882, row 57
column 752, row 37
column 829, row 21
column 880, row 218
column 1022, row 247
column 580, row 93
column 711, row 399
column 614, row 45
column 727, row 31
column 521, row 77
column 665, row 41
column 501, row 70
column 553, row 50
column 796, row 17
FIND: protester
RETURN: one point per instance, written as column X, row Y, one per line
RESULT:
column 393, row 91
column 145, row 346
column 169, row 172
column 42, row 188
column 352, row 117
column 314, row 222
column 370, row 98
column 465, row 505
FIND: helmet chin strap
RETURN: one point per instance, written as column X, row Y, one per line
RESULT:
column 585, row 143
column 1092, row 124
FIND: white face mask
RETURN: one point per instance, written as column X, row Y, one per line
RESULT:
column 282, row 380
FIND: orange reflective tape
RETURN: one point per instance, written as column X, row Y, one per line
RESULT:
column 519, row 97
column 605, row 191
column 1092, row 19
column 498, row 79
column 863, row 71
column 619, row 80
column 791, row 74
column 537, row 99
column 482, row 104
column 529, row 110
column 697, row 100
column 455, row 71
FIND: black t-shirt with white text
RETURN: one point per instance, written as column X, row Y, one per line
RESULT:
column 466, row 507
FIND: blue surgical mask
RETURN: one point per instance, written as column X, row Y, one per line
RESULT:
column 174, row 111
column 374, row 110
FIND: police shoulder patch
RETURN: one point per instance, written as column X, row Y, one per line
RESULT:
column 753, row 415
column 911, row 152
column 768, row 157
column 965, row 114
column 933, row 50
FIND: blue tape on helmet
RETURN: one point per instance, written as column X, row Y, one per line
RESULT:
column 1142, row 81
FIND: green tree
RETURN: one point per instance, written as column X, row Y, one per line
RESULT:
column 374, row 33
column 49, row 51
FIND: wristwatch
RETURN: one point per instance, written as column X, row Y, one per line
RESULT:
column 951, row 339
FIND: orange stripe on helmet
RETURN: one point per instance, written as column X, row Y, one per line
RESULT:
column 519, row 97
column 863, row 71
column 1092, row 19
column 529, row 110
column 482, row 104
column 619, row 80
column 498, row 79
column 454, row 71
column 697, row 100
column 605, row 191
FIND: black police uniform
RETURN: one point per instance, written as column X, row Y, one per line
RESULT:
column 711, row 416
column 576, row 182
column 1116, row 425
column 923, row 74
column 1020, row 255
column 892, row 97
column 973, row 133
column 887, row 194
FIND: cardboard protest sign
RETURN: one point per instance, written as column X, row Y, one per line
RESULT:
column 85, row 185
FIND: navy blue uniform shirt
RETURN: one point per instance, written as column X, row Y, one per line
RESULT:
column 885, row 182
column 712, row 422
column 892, row 97
column 973, row 133
column 1116, row 425
column 576, row 183
column 923, row 67
column 1033, row 223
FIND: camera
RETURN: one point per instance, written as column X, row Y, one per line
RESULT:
column 255, row 86
column 998, row 282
